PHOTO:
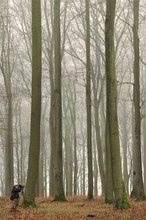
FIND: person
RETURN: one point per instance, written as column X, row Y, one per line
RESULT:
column 16, row 191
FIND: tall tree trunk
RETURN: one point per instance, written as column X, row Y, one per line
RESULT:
column 84, row 167
column 98, row 135
column 144, row 141
column 34, row 148
column 95, row 173
column 108, row 165
column 22, row 161
column 68, row 157
column 52, row 123
column 58, row 165
column 88, row 104
column 72, row 107
column 75, row 150
column 17, row 150
column 111, row 108
column 9, row 173
column 41, row 160
column 125, row 146
column 45, row 175
column 138, row 188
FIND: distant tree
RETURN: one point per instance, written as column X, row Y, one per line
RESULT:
column 50, row 62
column 42, row 153
column 124, row 142
column 113, row 144
column 72, row 108
column 68, row 160
column 97, row 123
column 34, row 149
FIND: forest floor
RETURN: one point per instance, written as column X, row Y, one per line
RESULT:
column 76, row 208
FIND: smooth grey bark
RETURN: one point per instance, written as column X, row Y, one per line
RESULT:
column 34, row 148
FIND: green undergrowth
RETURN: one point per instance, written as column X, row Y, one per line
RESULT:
column 26, row 204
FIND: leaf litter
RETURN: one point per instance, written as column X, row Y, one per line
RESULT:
column 76, row 208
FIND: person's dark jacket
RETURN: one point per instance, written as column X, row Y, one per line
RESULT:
column 15, row 192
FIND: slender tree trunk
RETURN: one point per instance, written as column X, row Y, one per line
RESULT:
column 68, row 157
column 125, row 146
column 17, row 150
column 108, row 176
column 98, row 137
column 45, row 174
column 52, row 125
column 52, row 103
column 41, row 160
column 138, row 188
column 95, row 168
column 58, row 164
column 144, row 141
column 144, row 137
column 88, row 104
column 52, row 139
column 72, row 108
column 22, row 159
column 84, row 162
column 75, row 152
